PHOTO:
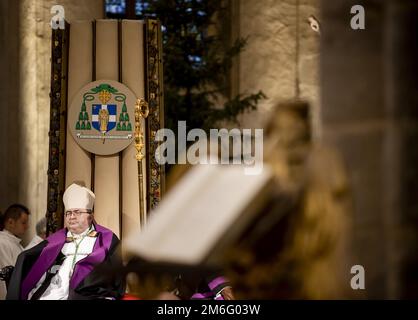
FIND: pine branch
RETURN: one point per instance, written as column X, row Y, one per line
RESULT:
column 197, row 63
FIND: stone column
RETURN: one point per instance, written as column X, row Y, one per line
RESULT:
column 368, row 111
column 282, row 55
column 9, row 84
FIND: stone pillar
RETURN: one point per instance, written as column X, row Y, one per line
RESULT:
column 9, row 84
column 25, row 85
column 281, row 57
column 401, row 78
column 368, row 111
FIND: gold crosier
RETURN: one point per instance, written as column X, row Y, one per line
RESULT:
column 141, row 112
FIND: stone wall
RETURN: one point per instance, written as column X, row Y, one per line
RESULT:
column 369, row 112
column 282, row 55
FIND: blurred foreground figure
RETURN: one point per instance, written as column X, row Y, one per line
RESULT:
column 297, row 246
column 280, row 234
column 66, row 266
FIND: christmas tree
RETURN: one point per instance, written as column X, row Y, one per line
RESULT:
column 198, row 56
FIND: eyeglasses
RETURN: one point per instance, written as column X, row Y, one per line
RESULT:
column 76, row 213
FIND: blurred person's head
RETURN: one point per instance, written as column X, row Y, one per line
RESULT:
column 41, row 228
column 16, row 220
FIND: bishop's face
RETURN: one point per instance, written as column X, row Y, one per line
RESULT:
column 77, row 220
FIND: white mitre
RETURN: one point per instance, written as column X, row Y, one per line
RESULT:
column 78, row 197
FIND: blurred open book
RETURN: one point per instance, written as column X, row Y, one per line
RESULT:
column 202, row 215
